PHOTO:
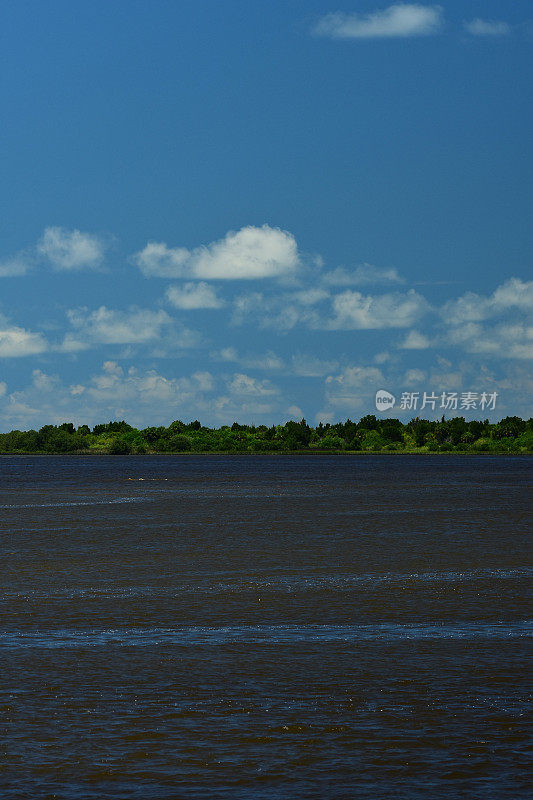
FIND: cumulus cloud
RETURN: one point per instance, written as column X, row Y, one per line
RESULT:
column 364, row 274
column 134, row 326
column 62, row 249
column 353, row 310
column 415, row 341
column 193, row 296
column 268, row 361
column 354, row 388
column 109, row 326
column 487, row 27
column 17, row 342
column 248, row 398
column 308, row 366
column 504, row 340
column 247, row 254
column 350, row 310
column 146, row 388
column 310, row 297
column 397, row 21
column 295, row 412
column 225, row 354
column 140, row 396
column 241, row 384
column 280, row 312
column 414, row 376
column 498, row 324
column 471, row 307
column 15, row 266
column 69, row 250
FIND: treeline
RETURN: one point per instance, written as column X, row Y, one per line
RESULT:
column 370, row 434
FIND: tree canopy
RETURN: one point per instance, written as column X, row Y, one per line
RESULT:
column 370, row 434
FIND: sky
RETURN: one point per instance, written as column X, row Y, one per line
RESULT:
column 264, row 211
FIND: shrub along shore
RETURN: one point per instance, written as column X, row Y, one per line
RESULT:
column 370, row 434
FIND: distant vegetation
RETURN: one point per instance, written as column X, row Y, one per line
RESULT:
column 455, row 435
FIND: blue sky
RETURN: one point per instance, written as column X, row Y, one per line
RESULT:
column 259, row 211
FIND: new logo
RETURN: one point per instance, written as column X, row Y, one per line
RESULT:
column 384, row 400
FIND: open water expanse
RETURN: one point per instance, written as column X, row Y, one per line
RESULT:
column 264, row 628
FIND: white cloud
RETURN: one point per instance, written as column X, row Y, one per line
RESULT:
column 226, row 354
column 310, row 297
column 513, row 294
column 487, row 27
column 414, row 376
column 268, row 361
column 354, row 388
column 17, row 342
column 351, row 310
column 354, row 310
column 415, row 341
column 72, row 344
column 295, row 412
column 324, row 417
column 108, row 326
column 398, row 20
column 246, row 304
column 280, row 312
column 71, row 250
column 513, row 340
column 448, row 380
column 141, row 397
column 15, row 266
column 288, row 317
column 311, row 367
column 364, row 274
column 43, row 382
column 242, row 384
column 227, row 409
column 509, row 334
column 247, row 254
column 192, row 296
column 161, row 261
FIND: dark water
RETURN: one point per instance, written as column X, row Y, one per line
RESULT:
column 270, row 628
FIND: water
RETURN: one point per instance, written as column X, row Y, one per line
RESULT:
column 270, row 628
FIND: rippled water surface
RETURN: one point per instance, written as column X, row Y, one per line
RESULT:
column 270, row 628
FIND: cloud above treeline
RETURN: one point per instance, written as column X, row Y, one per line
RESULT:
column 295, row 292
column 260, row 320
column 148, row 396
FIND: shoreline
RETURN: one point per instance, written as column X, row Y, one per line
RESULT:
column 227, row 453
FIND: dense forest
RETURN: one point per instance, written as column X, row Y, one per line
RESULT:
column 370, row 434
